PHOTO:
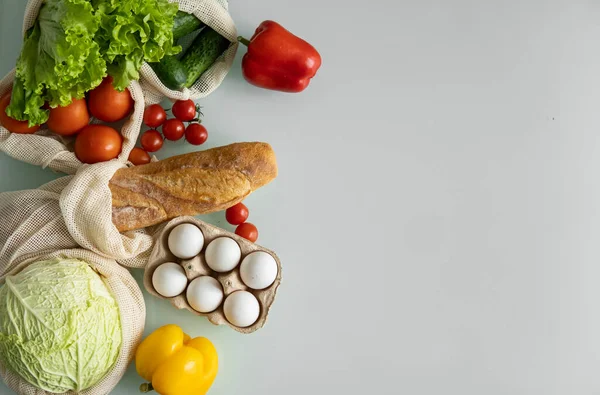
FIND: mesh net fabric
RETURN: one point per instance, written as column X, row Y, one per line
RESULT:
column 213, row 13
column 131, row 308
column 41, row 149
column 48, row 150
column 86, row 204
column 59, row 219
column 72, row 216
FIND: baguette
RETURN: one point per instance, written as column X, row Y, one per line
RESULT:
column 191, row 184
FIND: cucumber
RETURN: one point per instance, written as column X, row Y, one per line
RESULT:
column 185, row 24
column 203, row 52
column 171, row 72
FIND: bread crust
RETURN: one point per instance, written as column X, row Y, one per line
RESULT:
column 191, row 184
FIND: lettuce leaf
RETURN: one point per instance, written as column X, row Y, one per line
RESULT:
column 74, row 44
column 59, row 62
column 133, row 32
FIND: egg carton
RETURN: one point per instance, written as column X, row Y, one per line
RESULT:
column 197, row 266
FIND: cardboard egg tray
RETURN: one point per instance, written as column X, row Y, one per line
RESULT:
column 196, row 267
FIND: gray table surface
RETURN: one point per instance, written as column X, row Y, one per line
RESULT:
column 436, row 210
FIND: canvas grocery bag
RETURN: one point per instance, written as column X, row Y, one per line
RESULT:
column 71, row 217
column 215, row 14
column 49, row 150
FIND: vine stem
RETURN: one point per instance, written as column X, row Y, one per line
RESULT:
column 244, row 41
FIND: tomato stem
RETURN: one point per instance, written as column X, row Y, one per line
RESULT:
column 146, row 387
column 244, row 41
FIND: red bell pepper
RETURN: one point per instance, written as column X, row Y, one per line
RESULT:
column 278, row 60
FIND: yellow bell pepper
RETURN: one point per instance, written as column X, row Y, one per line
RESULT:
column 175, row 364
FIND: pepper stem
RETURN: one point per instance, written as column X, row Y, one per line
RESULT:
column 146, row 387
column 244, row 41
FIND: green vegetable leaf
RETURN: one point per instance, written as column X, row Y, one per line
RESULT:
column 133, row 32
column 60, row 327
column 60, row 60
column 75, row 43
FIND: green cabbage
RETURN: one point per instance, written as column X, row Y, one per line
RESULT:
column 59, row 325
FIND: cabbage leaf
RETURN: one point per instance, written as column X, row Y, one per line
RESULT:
column 60, row 327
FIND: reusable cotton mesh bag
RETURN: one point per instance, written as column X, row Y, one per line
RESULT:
column 215, row 14
column 71, row 218
column 49, row 150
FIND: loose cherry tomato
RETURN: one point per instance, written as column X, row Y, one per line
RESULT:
column 196, row 134
column 237, row 214
column 11, row 124
column 151, row 141
column 108, row 104
column 154, row 116
column 68, row 120
column 184, row 110
column 173, row 129
column 138, row 156
column 98, row 143
column 247, row 231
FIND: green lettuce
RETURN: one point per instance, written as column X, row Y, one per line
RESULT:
column 59, row 62
column 74, row 44
column 133, row 32
column 60, row 327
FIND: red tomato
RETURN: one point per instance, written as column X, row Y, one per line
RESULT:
column 151, row 141
column 237, row 214
column 108, row 104
column 247, row 231
column 173, row 129
column 138, row 156
column 196, row 134
column 98, row 143
column 66, row 121
column 184, row 110
column 11, row 124
column 154, row 116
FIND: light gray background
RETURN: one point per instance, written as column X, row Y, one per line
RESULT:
column 437, row 205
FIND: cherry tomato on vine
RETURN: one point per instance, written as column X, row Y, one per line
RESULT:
column 173, row 129
column 184, row 110
column 151, row 141
column 138, row 156
column 154, row 116
column 237, row 214
column 247, row 231
column 196, row 134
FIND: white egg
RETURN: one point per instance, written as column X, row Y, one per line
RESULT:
column 241, row 308
column 205, row 294
column 258, row 270
column 186, row 241
column 169, row 279
column 223, row 254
